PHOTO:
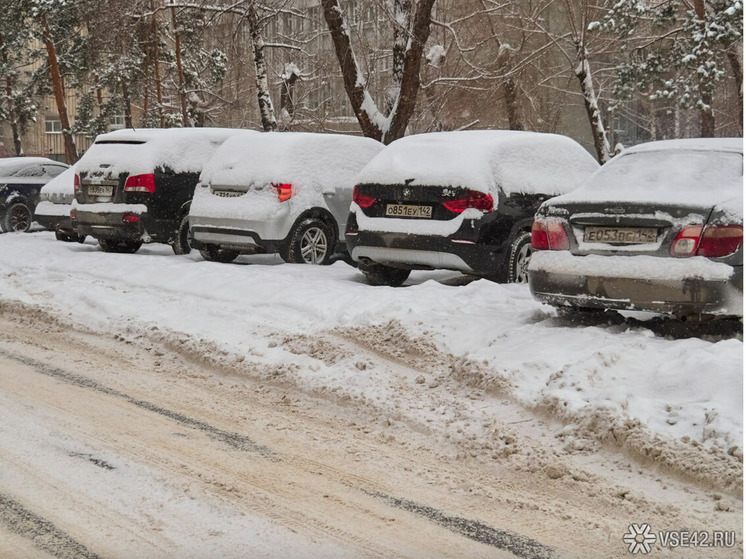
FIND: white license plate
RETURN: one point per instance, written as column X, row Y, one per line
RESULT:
column 404, row 210
column 620, row 235
column 98, row 190
column 227, row 193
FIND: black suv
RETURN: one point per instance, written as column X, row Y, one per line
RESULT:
column 458, row 200
column 135, row 186
column 21, row 179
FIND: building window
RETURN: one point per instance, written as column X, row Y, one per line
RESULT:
column 52, row 125
column 116, row 122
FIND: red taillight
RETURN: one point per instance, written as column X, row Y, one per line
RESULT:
column 549, row 235
column 284, row 191
column 73, row 215
column 474, row 199
column 687, row 241
column 140, row 183
column 130, row 218
column 362, row 200
column 720, row 240
column 76, row 182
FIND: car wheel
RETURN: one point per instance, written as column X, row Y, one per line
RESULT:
column 378, row 274
column 18, row 217
column 122, row 247
column 214, row 253
column 180, row 243
column 520, row 256
column 311, row 243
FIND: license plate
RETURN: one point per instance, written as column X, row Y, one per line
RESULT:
column 620, row 235
column 98, row 190
column 404, row 210
column 227, row 193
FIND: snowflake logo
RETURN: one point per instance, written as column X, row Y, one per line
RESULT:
column 639, row 538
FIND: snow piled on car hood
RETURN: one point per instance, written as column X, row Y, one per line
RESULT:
column 483, row 160
column 63, row 184
column 322, row 162
column 140, row 151
column 699, row 173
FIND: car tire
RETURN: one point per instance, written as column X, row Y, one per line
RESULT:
column 121, row 247
column 18, row 217
column 519, row 257
column 378, row 274
column 180, row 243
column 312, row 242
column 213, row 253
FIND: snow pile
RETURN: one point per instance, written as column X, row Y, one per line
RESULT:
column 182, row 150
column 679, row 172
column 312, row 163
column 58, row 194
column 484, row 160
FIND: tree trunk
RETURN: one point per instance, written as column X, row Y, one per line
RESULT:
column 156, row 61
column 71, row 153
column 583, row 73
column 707, row 117
column 180, row 69
column 11, row 107
column 402, row 27
column 735, row 58
column 127, row 104
column 266, row 109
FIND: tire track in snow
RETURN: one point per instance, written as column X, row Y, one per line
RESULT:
column 44, row 535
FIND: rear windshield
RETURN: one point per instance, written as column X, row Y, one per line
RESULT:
column 680, row 170
column 129, row 142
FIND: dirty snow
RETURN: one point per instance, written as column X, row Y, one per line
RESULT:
column 679, row 399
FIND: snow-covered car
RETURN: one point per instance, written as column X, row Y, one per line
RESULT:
column 55, row 201
column 659, row 228
column 21, row 180
column 135, row 186
column 286, row 193
column 461, row 201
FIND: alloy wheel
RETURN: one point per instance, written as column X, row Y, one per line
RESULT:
column 313, row 246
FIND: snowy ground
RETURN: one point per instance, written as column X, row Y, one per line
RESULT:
column 439, row 359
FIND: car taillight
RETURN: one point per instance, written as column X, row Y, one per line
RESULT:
column 549, row 234
column 140, row 183
column 474, row 199
column 687, row 241
column 362, row 200
column 284, row 191
column 73, row 215
column 720, row 240
column 130, row 218
column 76, row 182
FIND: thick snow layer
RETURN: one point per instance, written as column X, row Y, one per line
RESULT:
column 484, row 160
column 63, row 184
column 10, row 165
column 440, row 228
column 639, row 266
column 312, row 163
column 675, row 387
column 676, row 172
column 182, row 150
column 51, row 209
column 110, row 208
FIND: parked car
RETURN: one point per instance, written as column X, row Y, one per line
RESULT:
column 659, row 228
column 21, row 179
column 55, row 202
column 458, row 200
column 135, row 186
column 286, row 193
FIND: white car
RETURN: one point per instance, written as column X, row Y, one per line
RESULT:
column 286, row 193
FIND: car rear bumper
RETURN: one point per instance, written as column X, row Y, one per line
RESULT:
column 424, row 252
column 116, row 225
column 244, row 235
column 670, row 290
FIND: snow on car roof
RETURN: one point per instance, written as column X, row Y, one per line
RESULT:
column 62, row 183
column 699, row 172
column 299, row 158
column 9, row 165
column 515, row 161
column 136, row 151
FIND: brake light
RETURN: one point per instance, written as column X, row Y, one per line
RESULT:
column 73, row 215
column 140, row 183
column 474, row 199
column 549, row 235
column 720, row 240
column 76, row 182
column 362, row 200
column 130, row 218
column 284, row 191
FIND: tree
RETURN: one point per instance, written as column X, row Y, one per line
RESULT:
column 413, row 21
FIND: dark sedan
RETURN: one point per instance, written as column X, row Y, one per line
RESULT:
column 659, row 228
